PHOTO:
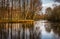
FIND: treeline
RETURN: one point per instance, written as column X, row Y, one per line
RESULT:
column 53, row 14
column 19, row 9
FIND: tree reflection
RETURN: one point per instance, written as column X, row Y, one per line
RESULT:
column 56, row 28
column 37, row 33
column 48, row 27
column 3, row 32
column 19, row 31
column 53, row 26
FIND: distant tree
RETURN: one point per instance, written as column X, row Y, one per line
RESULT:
column 48, row 13
column 56, row 13
column 53, row 14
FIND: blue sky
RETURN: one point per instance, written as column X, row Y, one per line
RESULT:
column 48, row 3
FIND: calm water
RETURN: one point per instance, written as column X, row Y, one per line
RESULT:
column 43, row 29
column 46, row 29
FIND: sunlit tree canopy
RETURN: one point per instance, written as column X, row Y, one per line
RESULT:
column 19, row 9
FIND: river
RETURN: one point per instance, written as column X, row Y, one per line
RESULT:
column 46, row 29
column 43, row 29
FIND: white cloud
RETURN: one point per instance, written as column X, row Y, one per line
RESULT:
column 49, row 5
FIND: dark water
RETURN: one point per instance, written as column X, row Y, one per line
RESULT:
column 42, row 29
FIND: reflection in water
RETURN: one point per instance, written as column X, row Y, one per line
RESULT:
column 42, row 29
column 47, row 32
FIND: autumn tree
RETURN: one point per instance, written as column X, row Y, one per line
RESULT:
column 31, row 8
